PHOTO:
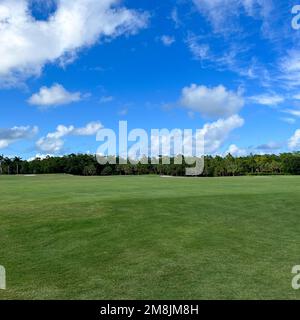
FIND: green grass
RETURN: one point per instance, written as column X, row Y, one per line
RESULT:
column 65, row 237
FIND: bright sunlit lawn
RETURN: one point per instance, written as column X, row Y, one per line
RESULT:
column 146, row 237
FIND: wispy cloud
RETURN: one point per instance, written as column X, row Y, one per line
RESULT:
column 268, row 99
column 224, row 15
column 106, row 99
column 12, row 135
column 293, row 112
column 288, row 120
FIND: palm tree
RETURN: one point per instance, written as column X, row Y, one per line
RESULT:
column 1, row 160
column 7, row 162
column 17, row 161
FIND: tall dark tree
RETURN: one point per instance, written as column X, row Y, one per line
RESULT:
column 17, row 161
column 1, row 161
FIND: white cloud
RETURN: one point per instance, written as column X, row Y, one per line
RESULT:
column 200, row 51
column 50, row 144
column 175, row 17
column 40, row 156
column 294, row 141
column 54, row 143
column 61, row 131
column 9, row 136
column 27, row 44
column 293, row 112
column 222, row 14
column 296, row 97
column 288, row 120
column 123, row 112
column 211, row 102
column 167, row 40
column 268, row 148
column 54, row 96
column 89, row 130
column 236, row 52
column 235, row 151
column 216, row 133
column 289, row 67
column 227, row 58
column 106, row 99
column 268, row 99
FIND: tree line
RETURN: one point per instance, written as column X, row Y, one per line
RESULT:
column 215, row 166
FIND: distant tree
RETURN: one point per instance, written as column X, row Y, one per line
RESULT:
column 83, row 164
column 291, row 163
column 1, row 161
column 17, row 161
column 8, row 162
column 89, row 170
column 107, row 171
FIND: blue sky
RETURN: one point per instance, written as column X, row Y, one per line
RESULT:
column 230, row 68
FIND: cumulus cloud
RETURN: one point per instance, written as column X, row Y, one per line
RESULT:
column 9, row 136
column 294, row 141
column 207, row 140
column 48, row 144
column 27, row 44
column 216, row 133
column 54, row 96
column 235, row 151
column 89, row 130
column 167, row 40
column 53, row 142
column 211, row 102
